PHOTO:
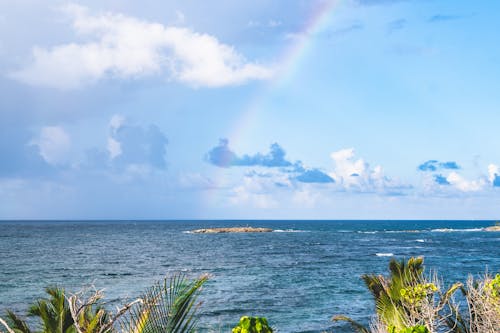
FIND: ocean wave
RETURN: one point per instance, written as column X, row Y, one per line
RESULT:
column 289, row 230
column 420, row 240
column 384, row 254
column 389, row 231
column 420, row 231
column 457, row 230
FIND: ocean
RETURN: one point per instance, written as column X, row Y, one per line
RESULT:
column 298, row 276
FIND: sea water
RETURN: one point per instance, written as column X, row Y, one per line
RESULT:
column 298, row 276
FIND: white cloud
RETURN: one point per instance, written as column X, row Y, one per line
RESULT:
column 493, row 172
column 257, row 190
column 355, row 174
column 116, row 122
column 119, row 46
column 54, row 144
column 113, row 146
column 465, row 185
column 269, row 24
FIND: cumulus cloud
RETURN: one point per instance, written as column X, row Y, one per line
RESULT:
column 349, row 173
column 54, row 144
column 447, row 176
column 223, row 156
column 465, row 185
column 136, row 147
column 120, row 46
column 434, row 165
column 356, row 174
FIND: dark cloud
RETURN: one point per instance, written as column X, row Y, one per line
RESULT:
column 141, row 146
column 221, row 155
column 314, row 176
column 434, row 165
column 224, row 157
column 441, row 180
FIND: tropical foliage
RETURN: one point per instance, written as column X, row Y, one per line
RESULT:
column 407, row 301
column 252, row 325
column 53, row 313
column 169, row 307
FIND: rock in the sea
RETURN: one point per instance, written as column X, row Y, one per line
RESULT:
column 225, row 230
column 493, row 228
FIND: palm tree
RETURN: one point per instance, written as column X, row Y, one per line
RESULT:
column 167, row 307
column 387, row 292
column 53, row 312
column 405, row 300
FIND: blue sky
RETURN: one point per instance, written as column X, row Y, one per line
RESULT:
column 318, row 109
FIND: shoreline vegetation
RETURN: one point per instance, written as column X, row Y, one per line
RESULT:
column 406, row 301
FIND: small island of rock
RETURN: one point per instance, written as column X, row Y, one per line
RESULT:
column 226, row 230
column 493, row 228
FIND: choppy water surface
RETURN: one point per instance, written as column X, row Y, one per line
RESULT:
column 298, row 277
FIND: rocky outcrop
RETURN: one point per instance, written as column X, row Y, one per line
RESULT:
column 227, row 230
column 493, row 228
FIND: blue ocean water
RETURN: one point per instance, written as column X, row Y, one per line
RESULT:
column 298, row 276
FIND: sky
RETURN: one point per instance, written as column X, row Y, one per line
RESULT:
column 283, row 109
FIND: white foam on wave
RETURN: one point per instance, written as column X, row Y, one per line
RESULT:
column 420, row 240
column 289, row 230
column 389, row 231
column 457, row 230
column 384, row 254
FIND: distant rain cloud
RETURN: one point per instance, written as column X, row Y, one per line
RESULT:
column 223, row 156
column 138, row 145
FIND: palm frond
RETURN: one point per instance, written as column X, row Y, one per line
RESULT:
column 167, row 307
column 354, row 324
column 18, row 325
column 54, row 312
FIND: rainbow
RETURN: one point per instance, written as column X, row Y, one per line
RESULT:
column 289, row 63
